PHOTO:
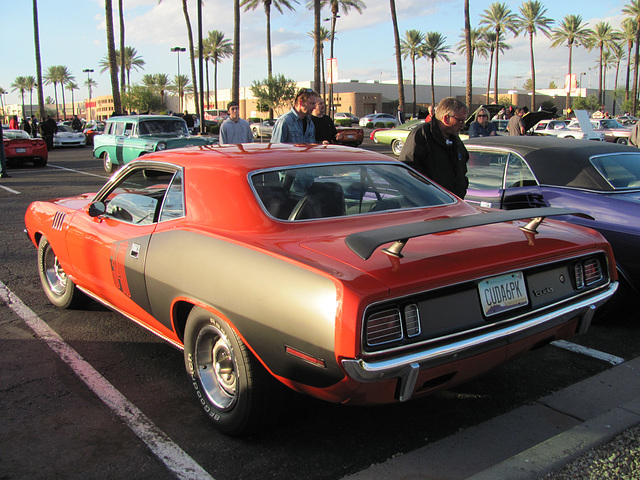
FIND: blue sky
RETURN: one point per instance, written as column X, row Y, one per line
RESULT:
column 72, row 33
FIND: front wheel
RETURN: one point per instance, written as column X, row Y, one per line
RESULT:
column 622, row 141
column 108, row 164
column 396, row 146
column 234, row 389
column 59, row 288
column 255, row 133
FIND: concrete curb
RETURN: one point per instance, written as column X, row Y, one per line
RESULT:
column 530, row 441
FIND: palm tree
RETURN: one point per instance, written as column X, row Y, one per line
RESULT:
column 530, row 21
column 325, row 36
column 36, row 41
column 499, row 18
column 317, row 45
column 336, row 5
column 628, row 34
column 490, row 39
column 181, row 84
column 469, row 50
column 111, row 53
column 90, row 83
column 30, row 84
column 478, row 45
column 132, row 61
column 122, row 54
column 435, row 49
column 617, row 56
column 602, row 37
column 396, row 37
column 162, row 83
column 633, row 12
column 235, row 73
column 413, row 46
column 20, row 85
column 71, row 86
column 58, row 74
column 252, row 5
column 571, row 32
column 216, row 49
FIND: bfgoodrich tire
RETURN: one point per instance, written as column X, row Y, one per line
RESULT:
column 233, row 388
column 59, row 288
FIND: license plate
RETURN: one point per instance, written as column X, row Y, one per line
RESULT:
column 21, row 150
column 503, row 293
column 349, row 136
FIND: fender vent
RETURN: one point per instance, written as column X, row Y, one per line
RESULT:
column 58, row 220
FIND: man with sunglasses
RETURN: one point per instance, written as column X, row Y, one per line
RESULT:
column 435, row 149
column 296, row 126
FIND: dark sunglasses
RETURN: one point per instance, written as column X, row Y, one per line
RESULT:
column 482, row 115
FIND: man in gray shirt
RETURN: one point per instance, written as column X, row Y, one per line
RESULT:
column 235, row 129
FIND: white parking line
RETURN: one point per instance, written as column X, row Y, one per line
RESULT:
column 77, row 171
column 10, row 190
column 573, row 347
column 175, row 459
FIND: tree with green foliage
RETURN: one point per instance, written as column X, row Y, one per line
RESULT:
column 412, row 46
column 531, row 21
column 602, row 37
column 500, row 19
column 141, row 98
column 275, row 92
column 435, row 49
column 627, row 34
column 216, row 48
column 571, row 32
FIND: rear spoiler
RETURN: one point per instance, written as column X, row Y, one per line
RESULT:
column 365, row 243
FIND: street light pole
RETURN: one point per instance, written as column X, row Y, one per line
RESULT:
column 333, row 19
column 450, row 65
column 178, row 50
column 88, row 71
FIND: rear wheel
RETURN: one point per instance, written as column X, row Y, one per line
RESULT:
column 59, row 288
column 396, row 146
column 108, row 164
column 622, row 141
column 234, row 389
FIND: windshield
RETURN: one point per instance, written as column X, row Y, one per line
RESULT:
column 620, row 170
column 64, row 128
column 610, row 124
column 11, row 134
column 324, row 191
column 163, row 126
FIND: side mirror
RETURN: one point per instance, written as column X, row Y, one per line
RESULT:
column 96, row 209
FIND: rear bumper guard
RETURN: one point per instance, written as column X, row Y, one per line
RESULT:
column 407, row 367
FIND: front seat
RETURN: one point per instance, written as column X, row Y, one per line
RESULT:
column 321, row 200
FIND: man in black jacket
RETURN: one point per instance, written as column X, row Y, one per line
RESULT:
column 325, row 129
column 435, row 149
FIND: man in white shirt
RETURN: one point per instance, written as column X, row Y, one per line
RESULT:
column 235, row 129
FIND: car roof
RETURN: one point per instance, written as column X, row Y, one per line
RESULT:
column 137, row 118
column 256, row 156
column 558, row 161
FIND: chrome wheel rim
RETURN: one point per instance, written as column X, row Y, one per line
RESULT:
column 107, row 162
column 216, row 367
column 53, row 272
column 397, row 146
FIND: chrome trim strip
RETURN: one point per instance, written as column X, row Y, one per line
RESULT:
column 404, row 367
column 179, row 346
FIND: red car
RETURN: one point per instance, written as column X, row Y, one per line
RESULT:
column 20, row 147
column 351, row 136
column 92, row 130
column 337, row 272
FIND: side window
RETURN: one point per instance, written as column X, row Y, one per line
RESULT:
column 486, row 170
column 119, row 128
column 137, row 197
column 519, row 174
column 128, row 129
column 173, row 206
column 110, row 128
column 540, row 126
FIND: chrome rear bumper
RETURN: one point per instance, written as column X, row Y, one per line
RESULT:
column 407, row 367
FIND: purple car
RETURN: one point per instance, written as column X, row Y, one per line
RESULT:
column 598, row 178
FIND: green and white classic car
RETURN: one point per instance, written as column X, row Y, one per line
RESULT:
column 126, row 138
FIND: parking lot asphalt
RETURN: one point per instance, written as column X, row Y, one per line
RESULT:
column 532, row 440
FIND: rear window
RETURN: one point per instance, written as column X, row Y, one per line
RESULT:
column 621, row 171
column 325, row 191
